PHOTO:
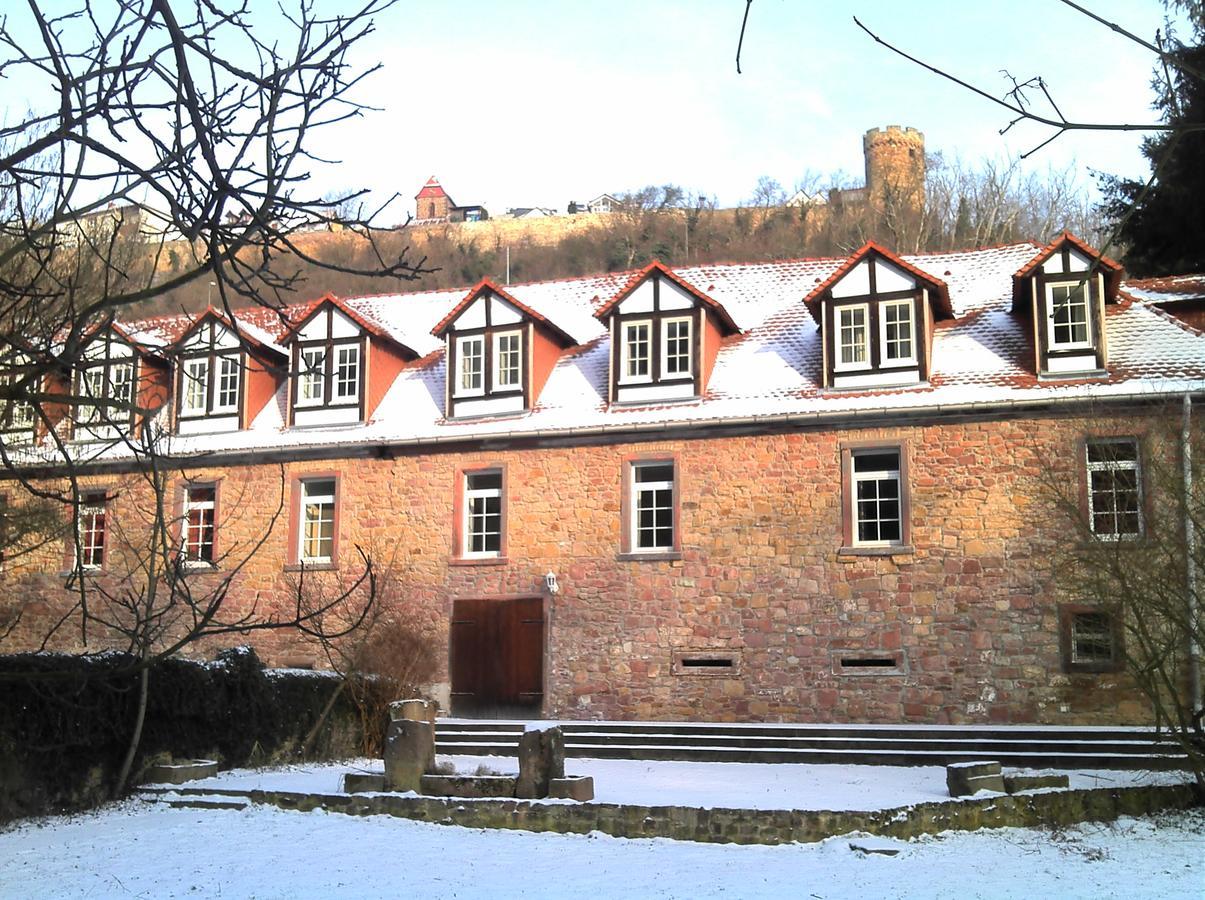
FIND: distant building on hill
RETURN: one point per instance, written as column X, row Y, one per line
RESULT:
column 433, row 204
column 895, row 172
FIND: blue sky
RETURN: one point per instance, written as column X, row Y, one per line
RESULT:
column 536, row 103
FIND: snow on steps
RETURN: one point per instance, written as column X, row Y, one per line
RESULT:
column 905, row 745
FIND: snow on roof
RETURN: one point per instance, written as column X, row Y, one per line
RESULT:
column 769, row 372
column 1171, row 289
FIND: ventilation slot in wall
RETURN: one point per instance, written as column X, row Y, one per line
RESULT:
column 695, row 662
column 870, row 664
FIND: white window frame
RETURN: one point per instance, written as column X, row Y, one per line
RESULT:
column 194, row 385
column 311, row 379
column 688, row 321
column 1114, row 465
column 121, row 383
column 326, row 499
column 838, row 312
column 459, row 390
column 517, row 385
column 229, row 367
column 625, row 352
column 471, row 494
column 89, row 511
column 877, row 476
column 21, row 414
column 1085, row 344
column 638, row 490
column 886, row 362
column 339, row 383
column 186, row 528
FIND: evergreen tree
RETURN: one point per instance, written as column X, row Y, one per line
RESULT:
column 1164, row 232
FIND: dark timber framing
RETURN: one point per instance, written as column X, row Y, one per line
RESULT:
column 109, row 415
column 1042, row 312
column 489, row 390
column 214, row 354
column 657, row 318
column 329, row 344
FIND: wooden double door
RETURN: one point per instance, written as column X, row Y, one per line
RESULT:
column 497, row 656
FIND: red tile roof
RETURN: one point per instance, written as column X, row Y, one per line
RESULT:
column 243, row 330
column 486, row 284
column 656, row 266
column 373, row 328
column 940, row 294
column 431, row 189
column 1113, row 270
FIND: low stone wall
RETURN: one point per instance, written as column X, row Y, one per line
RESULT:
column 753, row 826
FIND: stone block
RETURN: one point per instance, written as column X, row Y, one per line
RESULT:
column 541, row 758
column 180, row 772
column 574, row 787
column 965, row 779
column 409, row 754
column 357, row 782
column 1014, row 783
column 469, row 785
column 413, row 710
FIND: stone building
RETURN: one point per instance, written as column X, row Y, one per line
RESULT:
column 894, row 160
column 807, row 490
column 433, row 204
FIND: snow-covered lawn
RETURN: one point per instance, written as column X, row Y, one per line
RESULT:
column 137, row 850
column 701, row 784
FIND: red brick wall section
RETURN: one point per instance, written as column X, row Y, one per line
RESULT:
column 971, row 609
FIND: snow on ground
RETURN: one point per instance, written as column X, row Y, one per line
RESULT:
column 699, row 784
column 142, row 850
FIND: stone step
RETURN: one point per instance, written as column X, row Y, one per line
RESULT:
column 208, row 803
column 1042, row 747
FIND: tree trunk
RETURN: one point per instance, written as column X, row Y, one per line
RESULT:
column 135, row 738
column 307, row 744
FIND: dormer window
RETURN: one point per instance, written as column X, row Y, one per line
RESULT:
column 876, row 312
column 328, row 367
column 665, row 334
column 105, row 383
column 1064, row 289
column 17, row 417
column 499, row 353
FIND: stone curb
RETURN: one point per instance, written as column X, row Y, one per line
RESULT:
column 750, row 826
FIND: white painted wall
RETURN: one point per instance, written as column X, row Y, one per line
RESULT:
column 653, row 392
column 488, row 406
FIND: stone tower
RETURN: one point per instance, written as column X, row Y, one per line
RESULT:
column 895, row 168
column 432, row 202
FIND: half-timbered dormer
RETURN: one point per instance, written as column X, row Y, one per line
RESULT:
column 1064, row 289
column 500, row 353
column 341, row 365
column 665, row 334
column 876, row 315
column 117, row 379
column 224, row 378
column 18, row 416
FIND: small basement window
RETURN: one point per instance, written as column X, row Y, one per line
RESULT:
column 705, row 662
column 846, row 663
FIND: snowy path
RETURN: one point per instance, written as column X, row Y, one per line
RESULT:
column 135, row 850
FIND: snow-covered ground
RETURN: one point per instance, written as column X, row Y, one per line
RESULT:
column 699, row 784
column 136, row 850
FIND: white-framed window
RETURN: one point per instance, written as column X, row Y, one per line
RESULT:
column 311, row 380
column 1067, row 324
column 1092, row 639
column 470, row 366
column 508, row 360
column 675, row 347
column 229, row 373
column 17, row 415
column 199, row 525
column 21, row 415
column 195, row 390
column 636, row 351
column 90, row 538
column 347, row 372
column 317, row 532
column 121, row 381
column 1114, row 488
column 482, row 513
column 853, row 337
column 652, row 506
column 877, row 516
column 897, row 333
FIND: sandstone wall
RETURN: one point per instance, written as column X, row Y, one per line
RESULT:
column 970, row 606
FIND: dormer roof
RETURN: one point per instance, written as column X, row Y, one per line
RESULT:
column 1112, row 270
column 362, row 321
column 432, row 188
column 656, row 267
column 253, row 336
column 487, row 286
column 939, row 293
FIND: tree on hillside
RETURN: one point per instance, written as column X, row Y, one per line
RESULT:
column 1159, row 220
column 151, row 123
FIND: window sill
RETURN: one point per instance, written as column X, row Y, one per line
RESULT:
column 86, row 573
column 649, row 556
column 478, row 561
column 1111, row 668
column 890, row 550
column 312, row 567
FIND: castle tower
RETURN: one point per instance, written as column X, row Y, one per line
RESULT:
column 432, row 202
column 895, row 168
